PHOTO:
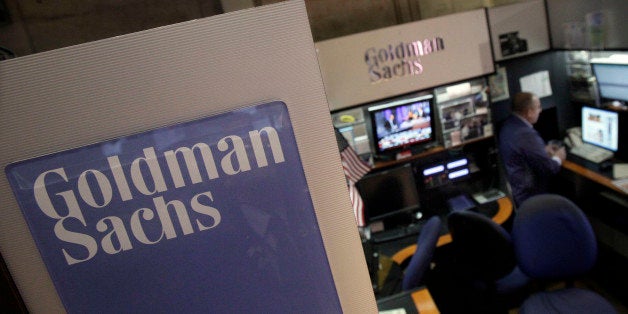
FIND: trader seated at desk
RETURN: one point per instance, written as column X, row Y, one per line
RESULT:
column 530, row 163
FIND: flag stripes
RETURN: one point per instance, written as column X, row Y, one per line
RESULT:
column 354, row 169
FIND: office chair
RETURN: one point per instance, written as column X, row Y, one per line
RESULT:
column 554, row 240
column 485, row 266
column 420, row 261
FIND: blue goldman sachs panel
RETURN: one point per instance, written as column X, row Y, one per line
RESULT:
column 209, row 216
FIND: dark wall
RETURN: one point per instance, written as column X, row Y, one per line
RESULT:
column 559, row 113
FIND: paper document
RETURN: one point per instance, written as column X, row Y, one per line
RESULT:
column 620, row 171
column 537, row 83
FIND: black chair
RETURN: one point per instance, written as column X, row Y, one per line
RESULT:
column 422, row 257
column 483, row 249
column 484, row 265
column 554, row 241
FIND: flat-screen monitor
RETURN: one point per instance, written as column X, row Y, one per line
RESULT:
column 600, row 127
column 389, row 192
column 402, row 124
column 611, row 80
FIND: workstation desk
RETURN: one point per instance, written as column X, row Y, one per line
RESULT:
column 606, row 206
column 585, row 177
column 434, row 197
column 591, row 187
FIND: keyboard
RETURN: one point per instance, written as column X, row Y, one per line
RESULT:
column 591, row 153
column 398, row 233
column 388, row 235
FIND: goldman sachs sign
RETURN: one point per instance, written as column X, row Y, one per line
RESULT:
column 399, row 60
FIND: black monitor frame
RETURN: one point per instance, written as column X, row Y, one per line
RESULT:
column 380, row 138
column 389, row 193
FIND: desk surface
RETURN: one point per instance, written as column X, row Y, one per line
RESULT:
column 591, row 175
column 420, row 298
column 503, row 213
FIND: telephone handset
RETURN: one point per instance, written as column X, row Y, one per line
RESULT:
column 574, row 137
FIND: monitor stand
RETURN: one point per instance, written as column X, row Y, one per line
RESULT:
column 403, row 154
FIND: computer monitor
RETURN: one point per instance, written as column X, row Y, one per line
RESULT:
column 388, row 193
column 402, row 124
column 600, row 127
column 611, row 80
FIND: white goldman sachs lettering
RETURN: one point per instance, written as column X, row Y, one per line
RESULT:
column 400, row 60
column 156, row 212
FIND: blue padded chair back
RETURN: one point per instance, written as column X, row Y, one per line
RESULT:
column 553, row 238
column 483, row 248
column 420, row 261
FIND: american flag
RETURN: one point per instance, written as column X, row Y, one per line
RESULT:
column 354, row 168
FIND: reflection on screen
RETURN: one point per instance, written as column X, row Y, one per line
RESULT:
column 600, row 127
column 402, row 123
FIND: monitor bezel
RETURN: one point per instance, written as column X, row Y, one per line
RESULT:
column 374, row 110
column 410, row 189
column 601, row 90
column 585, row 139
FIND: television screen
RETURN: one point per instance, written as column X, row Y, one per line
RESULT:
column 600, row 127
column 611, row 80
column 399, row 124
column 389, row 192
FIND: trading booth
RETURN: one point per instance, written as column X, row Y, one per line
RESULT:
column 422, row 103
column 230, row 177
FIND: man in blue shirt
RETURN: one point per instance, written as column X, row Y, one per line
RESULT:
column 529, row 162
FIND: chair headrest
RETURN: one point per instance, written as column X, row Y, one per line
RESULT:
column 553, row 238
column 482, row 246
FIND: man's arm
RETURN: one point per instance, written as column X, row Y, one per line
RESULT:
column 538, row 158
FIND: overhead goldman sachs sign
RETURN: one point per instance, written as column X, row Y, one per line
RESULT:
column 373, row 65
column 400, row 60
